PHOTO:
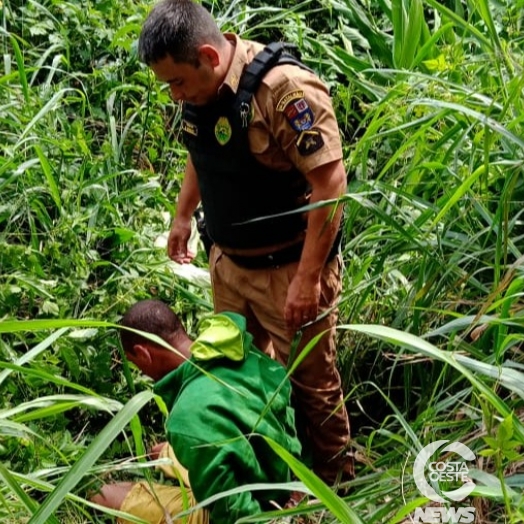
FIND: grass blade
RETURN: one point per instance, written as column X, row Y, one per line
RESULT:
column 92, row 454
column 335, row 504
column 26, row 500
column 48, row 172
column 21, row 67
column 457, row 361
column 33, row 353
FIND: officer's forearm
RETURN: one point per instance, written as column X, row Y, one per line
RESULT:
column 324, row 222
column 321, row 233
column 189, row 195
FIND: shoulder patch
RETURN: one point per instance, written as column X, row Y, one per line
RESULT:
column 297, row 111
column 309, row 141
column 289, row 97
column 189, row 128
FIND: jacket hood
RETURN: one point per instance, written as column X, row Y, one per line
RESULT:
column 222, row 336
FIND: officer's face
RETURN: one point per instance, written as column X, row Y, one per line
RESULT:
column 196, row 85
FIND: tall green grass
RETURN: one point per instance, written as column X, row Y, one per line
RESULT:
column 429, row 100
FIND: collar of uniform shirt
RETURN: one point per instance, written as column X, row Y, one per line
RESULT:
column 237, row 64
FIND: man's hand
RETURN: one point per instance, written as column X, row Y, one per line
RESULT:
column 177, row 242
column 302, row 301
column 155, row 451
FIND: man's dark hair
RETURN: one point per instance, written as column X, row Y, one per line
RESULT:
column 151, row 316
column 177, row 28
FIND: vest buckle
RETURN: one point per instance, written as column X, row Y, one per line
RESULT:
column 244, row 113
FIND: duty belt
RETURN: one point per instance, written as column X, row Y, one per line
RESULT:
column 286, row 255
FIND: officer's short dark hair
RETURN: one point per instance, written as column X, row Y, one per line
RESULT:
column 177, row 28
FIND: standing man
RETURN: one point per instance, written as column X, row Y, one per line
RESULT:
column 262, row 141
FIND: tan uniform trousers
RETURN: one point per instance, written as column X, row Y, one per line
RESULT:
column 153, row 502
column 260, row 295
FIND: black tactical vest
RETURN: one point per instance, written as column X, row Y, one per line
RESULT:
column 240, row 196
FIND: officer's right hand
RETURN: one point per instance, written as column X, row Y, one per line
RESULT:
column 177, row 241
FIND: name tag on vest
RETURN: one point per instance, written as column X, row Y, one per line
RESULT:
column 190, row 128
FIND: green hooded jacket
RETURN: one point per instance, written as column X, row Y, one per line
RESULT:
column 213, row 415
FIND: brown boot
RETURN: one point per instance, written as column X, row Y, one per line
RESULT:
column 295, row 498
column 338, row 470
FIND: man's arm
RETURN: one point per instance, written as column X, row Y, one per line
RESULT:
column 327, row 182
column 296, row 107
column 188, row 200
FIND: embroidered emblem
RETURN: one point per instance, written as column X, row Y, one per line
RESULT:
column 289, row 97
column 309, row 141
column 234, row 80
column 189, row 128
column 223, row 130
column 299, row 114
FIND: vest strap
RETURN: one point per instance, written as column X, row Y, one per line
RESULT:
column 273, row 54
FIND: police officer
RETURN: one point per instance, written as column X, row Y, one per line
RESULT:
column 254, row 158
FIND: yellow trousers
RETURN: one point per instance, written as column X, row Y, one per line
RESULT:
column 156, row 503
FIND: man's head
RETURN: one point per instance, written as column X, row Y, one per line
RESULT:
column 153, row 316
column 183, row 45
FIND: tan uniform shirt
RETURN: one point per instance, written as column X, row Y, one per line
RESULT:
column 277, row 136
column 292, row 124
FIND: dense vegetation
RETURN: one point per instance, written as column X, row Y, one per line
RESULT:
column 429, row 97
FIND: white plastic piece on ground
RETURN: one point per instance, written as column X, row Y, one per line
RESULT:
column 192, row 274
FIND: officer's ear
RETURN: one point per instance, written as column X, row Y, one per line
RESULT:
column 209, row 55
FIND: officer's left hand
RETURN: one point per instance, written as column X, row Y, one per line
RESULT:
column 302, row 301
